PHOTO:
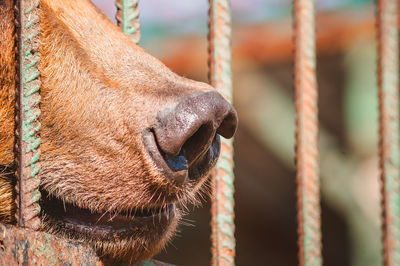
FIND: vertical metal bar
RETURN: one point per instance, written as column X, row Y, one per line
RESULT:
column 128, row 18
column 223, row 227
column 28, row 111
column 306, row 97
column 388, row 82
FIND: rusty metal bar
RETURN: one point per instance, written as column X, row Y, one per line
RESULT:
column 306, row 97
column 28, row 111
column 388, row 82
column 223, row 227
column 128, row 18
column 20, row 246
column 25, row 247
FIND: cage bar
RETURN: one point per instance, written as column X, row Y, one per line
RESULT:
column 222, row 220
column 388, row 83
column 21, row 246
column 306, row 97
column 28, row 112
column 128, row 18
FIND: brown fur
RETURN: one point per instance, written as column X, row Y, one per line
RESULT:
column 7, row 99
column 99, row 91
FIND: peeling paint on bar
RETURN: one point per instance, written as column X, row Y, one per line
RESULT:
column 26, row 247
column 223, row 227
column 28, row 112
column 19, row 246
column 307, row 155
column 388, row 81
column 128, row 18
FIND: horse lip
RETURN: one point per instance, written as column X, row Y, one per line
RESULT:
column 102, row 225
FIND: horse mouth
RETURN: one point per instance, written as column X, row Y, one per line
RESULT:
column 107, row 225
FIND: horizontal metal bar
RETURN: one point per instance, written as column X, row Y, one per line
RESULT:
column 19, row 246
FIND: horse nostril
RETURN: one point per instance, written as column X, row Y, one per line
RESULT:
column 196, row 145
column 189, row 129
column 228, row 126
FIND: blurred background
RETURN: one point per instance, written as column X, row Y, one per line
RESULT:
column 176, row 32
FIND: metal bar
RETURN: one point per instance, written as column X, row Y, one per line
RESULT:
column 128, row 18
column 223, row 227
column 25, row 247
column 388, row 82
column 28, row 111
column 306, row 97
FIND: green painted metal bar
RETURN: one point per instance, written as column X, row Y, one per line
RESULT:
column 128, row 18
column 306, row 97
column 28, row 112
column 223, row 227
column 20, row 246
column 388, row 82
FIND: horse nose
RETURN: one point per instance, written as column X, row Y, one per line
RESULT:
column 193, row 123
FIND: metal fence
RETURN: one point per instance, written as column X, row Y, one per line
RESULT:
column 306, row 96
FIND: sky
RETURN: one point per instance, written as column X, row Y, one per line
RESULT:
column 161, row 18
column 186, row 12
